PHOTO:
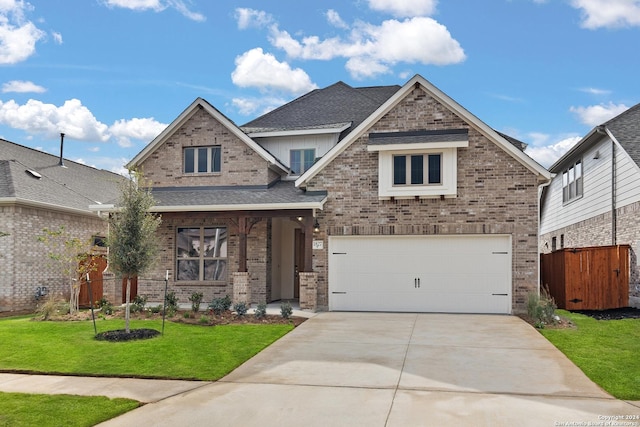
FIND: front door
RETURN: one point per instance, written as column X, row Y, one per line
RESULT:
column 298, row 248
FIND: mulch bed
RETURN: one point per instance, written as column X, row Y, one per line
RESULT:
column 122, row 335
column 611, row 314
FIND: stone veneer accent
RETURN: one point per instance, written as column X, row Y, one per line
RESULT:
column 496, row 194
column 597, row 231
column 241, row 287
column 308, row 290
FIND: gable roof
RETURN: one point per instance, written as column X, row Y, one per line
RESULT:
column 200, row 103
column 500, row 140
column 337, row 107
column 624, row 128
column 35, row 178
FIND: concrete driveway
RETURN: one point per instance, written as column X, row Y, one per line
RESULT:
column 386, row 369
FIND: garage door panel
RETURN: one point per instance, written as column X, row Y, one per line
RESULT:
column 470, row 274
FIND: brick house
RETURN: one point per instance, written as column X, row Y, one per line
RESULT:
column 381, row 198
column 594, row 197
column 39, row 190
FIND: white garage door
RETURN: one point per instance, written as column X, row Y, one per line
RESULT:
column 447, row 274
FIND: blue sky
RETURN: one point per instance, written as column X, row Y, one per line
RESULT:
column 111, row 74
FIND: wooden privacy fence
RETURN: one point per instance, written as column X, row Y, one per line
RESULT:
column 593, row 278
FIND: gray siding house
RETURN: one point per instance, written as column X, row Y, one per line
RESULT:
column 391, row 198
column 594, row 198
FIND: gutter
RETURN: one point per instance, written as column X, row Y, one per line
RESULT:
column 8, row 201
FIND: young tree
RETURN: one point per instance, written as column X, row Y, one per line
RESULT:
column 132, row 242
column 71, row 255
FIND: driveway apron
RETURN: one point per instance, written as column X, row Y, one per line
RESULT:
column 396, row 369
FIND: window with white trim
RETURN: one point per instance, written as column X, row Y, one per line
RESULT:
column 301, row 160
column 202, row 159
column 417, row 169
column 572, row 182
column 201, row 253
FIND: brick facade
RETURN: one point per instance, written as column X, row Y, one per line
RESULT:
column 24, row 263
column 496, row 195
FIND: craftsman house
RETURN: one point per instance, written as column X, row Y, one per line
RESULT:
column 378, row 198
column 37, row 191
column 594, row 198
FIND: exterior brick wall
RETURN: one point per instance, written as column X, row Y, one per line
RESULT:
column 24, row 262
column 241, row 165
column 496, row 195
column 597, row 231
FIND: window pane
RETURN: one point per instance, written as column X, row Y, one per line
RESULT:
column 215, row 242
column 296, row 161
column 215, row 269
column 309, row 158
column 188, row 160
column 188, row 269
column 215, row 158
column 571, row 175
column 579, row 187
column 578, row 170
column 565, row 179
column 202, row 160
column 435, row 169
column 188, row 242
column 417, row 170
column 399, row 170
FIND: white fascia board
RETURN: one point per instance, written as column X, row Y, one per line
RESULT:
column 8, row 201
column 231, row 208
column 319, row 131
column 418, row 146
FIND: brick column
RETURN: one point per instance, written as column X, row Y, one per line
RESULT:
column 241, row 287
column 308, row 290
column 109, row 288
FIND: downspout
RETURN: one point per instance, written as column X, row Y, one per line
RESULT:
column 614, row 214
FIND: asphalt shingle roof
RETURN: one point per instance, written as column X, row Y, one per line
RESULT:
column 282, row 193
column 388, row 138
column 74, row 186
column 626, row 129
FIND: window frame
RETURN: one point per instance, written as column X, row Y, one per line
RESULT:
column 303, row 162
column 414, row 179
column 213, row 164
column 573, row 182
column 220, row 255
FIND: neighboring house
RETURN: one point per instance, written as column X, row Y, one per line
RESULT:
column 37, row 192
column 594, row 198
column 381, row 198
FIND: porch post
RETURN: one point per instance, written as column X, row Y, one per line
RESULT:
column 308, row 244
column 242, row 250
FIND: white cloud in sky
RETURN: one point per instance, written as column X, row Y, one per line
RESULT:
column 374, row 49
column 157, row 6
column 608, row 13
column 257, row 106
column 261, row 70
column 595, row 115
column 76, row 121
column 334, row 19
column 546, row 150
column 57, row 37
column 595, row 91
column 22, row 86
column 251, row 18
column 405, row 8
column 18, row 36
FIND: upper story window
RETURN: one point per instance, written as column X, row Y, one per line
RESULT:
column 417, row 169
column 202, row 159
column 301, row 160
column 201, row 253
column 572, row 182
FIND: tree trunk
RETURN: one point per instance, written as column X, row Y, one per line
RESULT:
column 127, row 308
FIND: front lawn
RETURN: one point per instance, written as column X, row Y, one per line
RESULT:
column 18, row 409
column 606, row 351
column 184, row 352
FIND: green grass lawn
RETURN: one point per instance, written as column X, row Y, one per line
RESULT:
column 184, row 352
column 18, row 409
column 607, row 351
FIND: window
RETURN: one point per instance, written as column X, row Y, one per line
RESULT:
column 301, row 160
column 554, row 243
column 572, row 182
column 202, row 159
column 201, row 253
column 417, row 169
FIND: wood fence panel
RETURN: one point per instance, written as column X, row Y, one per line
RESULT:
column 593, row 278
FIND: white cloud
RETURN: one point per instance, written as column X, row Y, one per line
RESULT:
column 57, row 37
column 372, row 49
column 595, row 115
column 22, row 86
column 248, row 18
column 546, row 151
column 405, row 8
column 144, row 129
column 157, row 6
column 595, row 91
column 608, row 13
column 18, row 36
column 259, row 106
column 255, row 68
column 334, row 19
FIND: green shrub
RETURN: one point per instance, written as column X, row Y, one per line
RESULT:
column 240, row 308
column 220, row 305
column 171, row 304
column 52, row 306
column 286, row 310
column 138, row 303
column 261, row 311
column 204, row 320
column 157, row 309
column 104, row 305
column 196, row 300
column 541, row 308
